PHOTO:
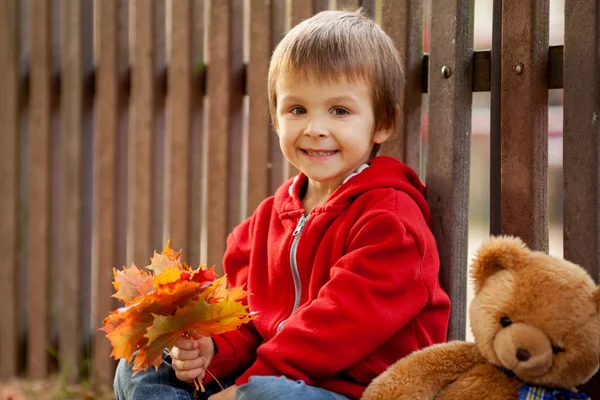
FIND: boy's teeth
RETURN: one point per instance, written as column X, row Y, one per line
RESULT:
column 320, row 153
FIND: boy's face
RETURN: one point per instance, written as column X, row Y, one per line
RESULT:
column 326, row 130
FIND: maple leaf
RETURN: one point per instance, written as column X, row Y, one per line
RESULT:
column 128, row 281
column 126, row 338
column 169, row 301
column 111, row 322
column 202, row 317
column 168, row 258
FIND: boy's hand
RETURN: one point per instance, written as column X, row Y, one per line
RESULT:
column 191, row 356
column 227, row 394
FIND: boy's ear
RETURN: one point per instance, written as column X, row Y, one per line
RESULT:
column 382, row 135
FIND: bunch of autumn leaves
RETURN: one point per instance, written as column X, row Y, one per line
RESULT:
column 167, row 302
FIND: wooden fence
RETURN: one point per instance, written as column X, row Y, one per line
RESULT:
column 126, row 123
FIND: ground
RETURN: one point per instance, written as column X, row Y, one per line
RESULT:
column 53, row 388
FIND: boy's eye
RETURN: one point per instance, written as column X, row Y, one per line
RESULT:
column 297, row 111
column 339, row 111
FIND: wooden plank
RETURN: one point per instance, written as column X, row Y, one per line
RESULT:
column 298, row 11
column 9, row 120
column 402, row 21
column 70, row 191
column 38, row 254
column 216, row 162
column 368, row 7
column 344, row 4
column 278, row 165
column 198, row 84
column 259, row 121
column 581, row 144
column 495, row 123
column 107, row 101
column 450, row 82
column 236, row 210
column 322, row 5
column 87, row 181
column 581, row 135
column 141, row 129
column 524, row 121
column 179, row 123
column 158, row 150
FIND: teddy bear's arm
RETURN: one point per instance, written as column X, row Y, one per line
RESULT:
column 424, row 373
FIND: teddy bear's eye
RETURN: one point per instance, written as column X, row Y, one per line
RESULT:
column 505, row 321
column 557, row 349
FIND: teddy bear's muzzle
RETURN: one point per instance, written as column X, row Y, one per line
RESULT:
column 524, row 349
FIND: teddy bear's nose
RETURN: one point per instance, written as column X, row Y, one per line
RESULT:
column 523, row 355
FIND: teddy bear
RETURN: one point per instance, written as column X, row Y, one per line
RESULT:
column 535, row 320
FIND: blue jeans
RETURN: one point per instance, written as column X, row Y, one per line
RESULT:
column 163, row 384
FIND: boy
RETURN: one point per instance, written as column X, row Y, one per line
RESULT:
column 341, row 262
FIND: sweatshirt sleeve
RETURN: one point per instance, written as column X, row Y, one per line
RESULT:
column 235, row 350
column 374, row 290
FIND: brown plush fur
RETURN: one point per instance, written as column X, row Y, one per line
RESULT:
column 548, row 301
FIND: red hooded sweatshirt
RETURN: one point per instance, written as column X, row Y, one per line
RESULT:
column 342, row 292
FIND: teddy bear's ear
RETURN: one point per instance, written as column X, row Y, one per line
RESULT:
column 495, row 254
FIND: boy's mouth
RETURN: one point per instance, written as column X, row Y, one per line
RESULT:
column 319, row 153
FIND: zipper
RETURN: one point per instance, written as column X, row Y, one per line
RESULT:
column 294, row 265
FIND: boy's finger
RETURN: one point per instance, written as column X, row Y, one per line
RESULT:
column 185, row 355
column 186, row 344
column 190, row 375
column 188, row 365
column 195, row 335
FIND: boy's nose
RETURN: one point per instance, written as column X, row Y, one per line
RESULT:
column 316, row 129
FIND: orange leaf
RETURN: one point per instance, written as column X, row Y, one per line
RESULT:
column 125, row 339
column 168, row 258
column 204, row 318
column 112, row 322
column 127, row 283
column 169, row 301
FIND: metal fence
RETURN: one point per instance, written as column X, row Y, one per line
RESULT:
column 126, row 123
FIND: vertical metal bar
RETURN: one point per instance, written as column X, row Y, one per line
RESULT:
column 450, row 98
column 106, row 177
column 70, row 197
column 524, row 121
column 495, row 120
column 38, row 254
column 581, row 161
column 259, row 122
column 9, row 160
column 141, row 132
column 403, row 21
column 179, row 123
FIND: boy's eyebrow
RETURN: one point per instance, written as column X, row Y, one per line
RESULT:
column 337, row 99
column 340, row 99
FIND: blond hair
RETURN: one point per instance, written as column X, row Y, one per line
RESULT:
column 334, row 44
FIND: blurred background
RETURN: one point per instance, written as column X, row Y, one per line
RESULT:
column 158, row 125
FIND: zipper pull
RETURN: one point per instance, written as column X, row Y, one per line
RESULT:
column 300, row 225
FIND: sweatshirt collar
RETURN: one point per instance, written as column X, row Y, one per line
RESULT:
column 358, row 171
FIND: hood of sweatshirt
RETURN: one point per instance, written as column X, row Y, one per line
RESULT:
column 383, row 173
